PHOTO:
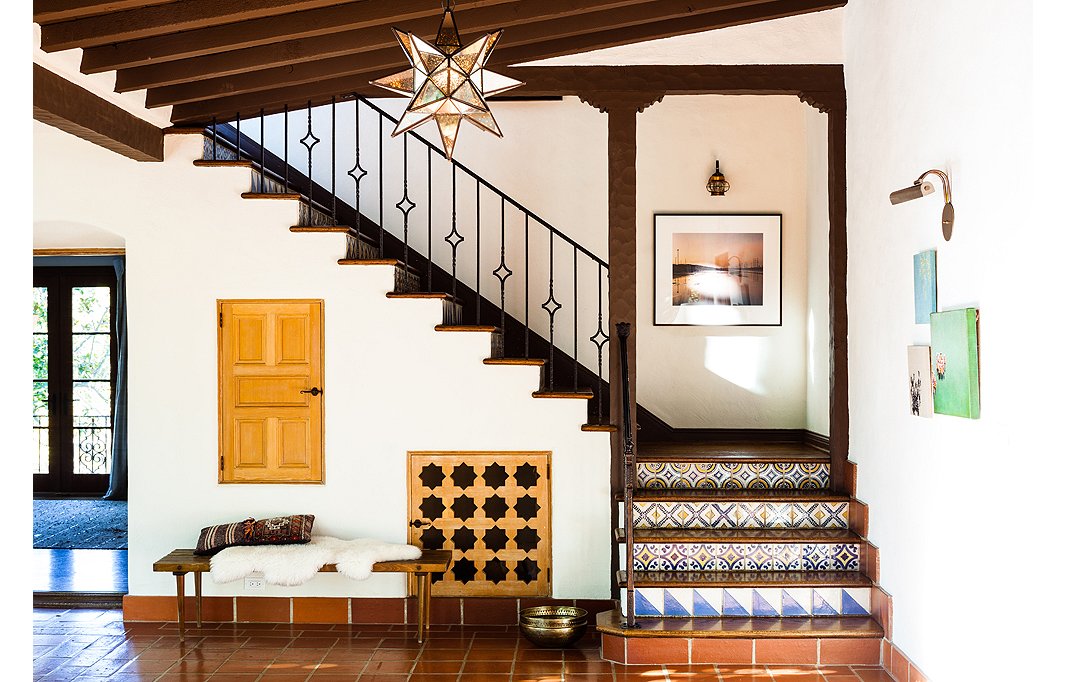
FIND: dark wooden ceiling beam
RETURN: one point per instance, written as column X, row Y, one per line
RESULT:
column 182, row 15
column 51, row 11
column 552, row 81
column 524, row 43
column 349, row 42
column 73, row 109
column 305, row 24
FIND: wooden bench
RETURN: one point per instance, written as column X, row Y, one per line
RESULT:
column 182, row 561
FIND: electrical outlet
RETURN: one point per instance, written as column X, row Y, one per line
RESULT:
column 254, row 584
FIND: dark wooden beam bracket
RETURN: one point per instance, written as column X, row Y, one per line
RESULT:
column 73, row 109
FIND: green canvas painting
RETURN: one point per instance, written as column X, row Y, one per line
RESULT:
column 956, row 387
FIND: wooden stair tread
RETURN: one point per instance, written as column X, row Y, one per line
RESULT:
column 607, row 428
column 729, row 452
column 184, row 130
column 344, row 229
column 270, row 195
column 421, row 294
column 738, row 495
column 222, row 163
column 532, row 362
column 577, row 395
column 467, row 328
column 746, row 579
column 742, row 535
column 610, row 622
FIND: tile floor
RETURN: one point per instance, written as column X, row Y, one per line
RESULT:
column 86, row 644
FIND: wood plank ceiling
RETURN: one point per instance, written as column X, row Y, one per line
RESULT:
column 215, row 58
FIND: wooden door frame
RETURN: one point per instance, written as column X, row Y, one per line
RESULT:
column 622, row 92
column 61, row 478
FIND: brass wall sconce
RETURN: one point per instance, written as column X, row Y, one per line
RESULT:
column 923, row 187
column 716, row 184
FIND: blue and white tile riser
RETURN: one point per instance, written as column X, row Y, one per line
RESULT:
column 713, row 602
column 740, row 514
column 695, row 556
column 733, row 475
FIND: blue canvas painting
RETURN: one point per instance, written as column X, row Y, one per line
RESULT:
column 924, row 286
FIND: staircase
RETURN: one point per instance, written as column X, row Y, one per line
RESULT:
column 741, row 554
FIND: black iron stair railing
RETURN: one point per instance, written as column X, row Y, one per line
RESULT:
column 629, row 465
column 542, row 335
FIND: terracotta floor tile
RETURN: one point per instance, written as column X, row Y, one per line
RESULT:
column 487, row 667
column 390, row 667
column 873, row 675
column 442, row 655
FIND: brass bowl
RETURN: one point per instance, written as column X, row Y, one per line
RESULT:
column 553, row 626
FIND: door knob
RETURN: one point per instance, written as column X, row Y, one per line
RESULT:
column 418, row 523
column 315, row 390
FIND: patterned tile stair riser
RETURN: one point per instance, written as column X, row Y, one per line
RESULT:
column 752, row 475
column 740, row 514
column 696, row 556
column 745, row 602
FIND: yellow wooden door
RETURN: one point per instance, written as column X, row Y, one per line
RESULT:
column 270, row 383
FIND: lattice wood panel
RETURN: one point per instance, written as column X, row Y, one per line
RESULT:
column 493, row 511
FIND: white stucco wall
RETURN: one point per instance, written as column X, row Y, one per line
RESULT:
column 958, row 507
column 393, row 384
column 817, row 271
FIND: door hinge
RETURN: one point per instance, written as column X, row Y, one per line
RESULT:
column 549, row 575
column 549, row 471
column 222, row 463
column 220, row 318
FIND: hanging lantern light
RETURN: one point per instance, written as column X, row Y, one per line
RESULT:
column 447, row 83
column 716, row 184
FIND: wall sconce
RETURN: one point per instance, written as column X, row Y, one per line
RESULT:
column 922, row 188
column 716, row 184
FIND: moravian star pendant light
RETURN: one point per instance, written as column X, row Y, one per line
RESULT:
column 447, row 82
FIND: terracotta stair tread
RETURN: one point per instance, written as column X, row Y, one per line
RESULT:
column 730, row 452
column 577, row 395
column 532, row 362
column 741, row 535
column 608, row 428
column 222, row 163
column 738, row 495
column 746, row 628
column 746, row 579
column 467, row 328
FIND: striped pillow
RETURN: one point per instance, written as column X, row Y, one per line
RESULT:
column 280, row 530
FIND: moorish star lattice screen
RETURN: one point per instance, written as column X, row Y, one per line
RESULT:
column 493, row 511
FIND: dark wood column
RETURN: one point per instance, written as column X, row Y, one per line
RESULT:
column 834, row 104
column 621, row 109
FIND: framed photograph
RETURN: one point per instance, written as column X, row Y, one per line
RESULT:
column 717, row 269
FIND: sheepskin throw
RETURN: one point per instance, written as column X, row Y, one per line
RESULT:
column 296, row 564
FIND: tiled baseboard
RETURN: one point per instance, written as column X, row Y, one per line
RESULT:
column 898, row 665
column 783, row 651
column 354, row 610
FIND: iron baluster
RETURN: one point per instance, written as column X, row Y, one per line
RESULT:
column 357, row 173
column 454, row 239
column 405, row 205
column 575, row 320
column 381, row 187
column 262, row 152
column 551, row 306
column 214, row 138
column 285, row 144
column 477, row 255
column 333, row 160
column 599, row 339
column 238, row 136
column 502, row 272
column 526, row 321
column 309, row 141
column 429, row 220
column 628, row 463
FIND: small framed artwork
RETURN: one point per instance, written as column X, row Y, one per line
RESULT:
column 956, row 380
column 919, row 370
column 924, row 286
column 717, row 269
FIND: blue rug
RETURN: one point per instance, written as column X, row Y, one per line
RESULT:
column 79, row 524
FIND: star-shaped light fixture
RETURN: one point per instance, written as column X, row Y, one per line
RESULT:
column 447, row 82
